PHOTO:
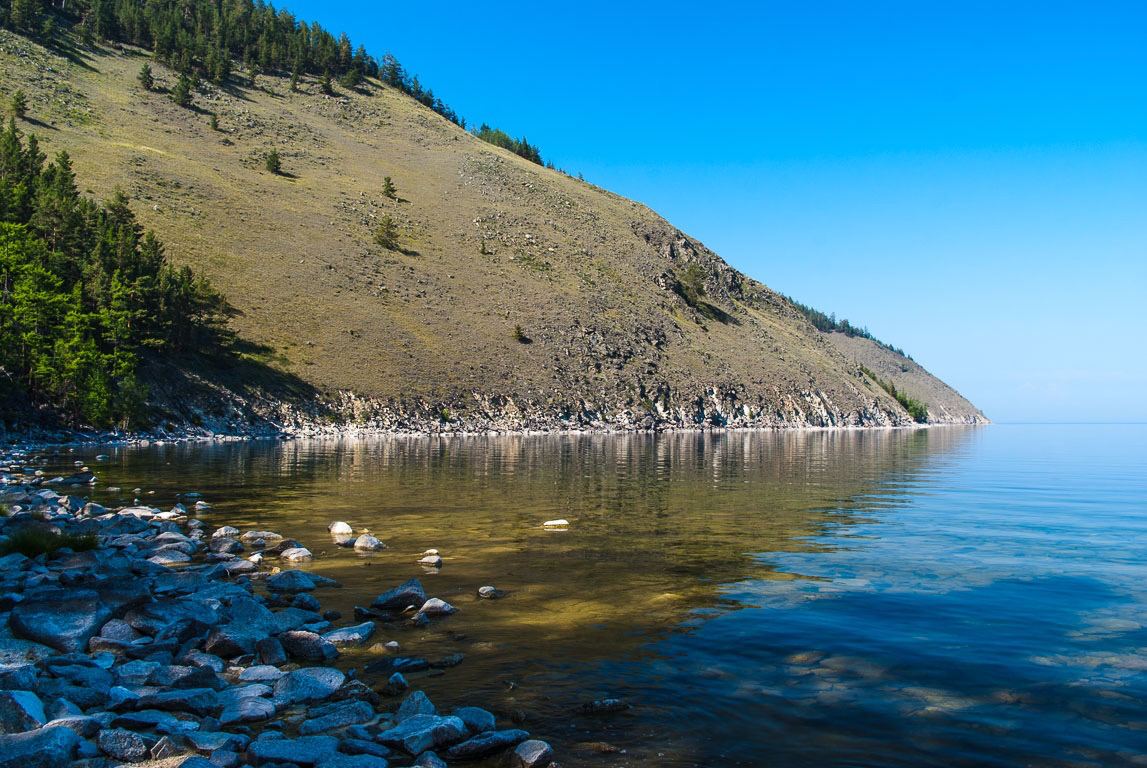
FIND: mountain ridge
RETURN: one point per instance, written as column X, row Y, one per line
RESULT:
column 517, row 297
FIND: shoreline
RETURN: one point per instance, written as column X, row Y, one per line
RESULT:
column 149, row 637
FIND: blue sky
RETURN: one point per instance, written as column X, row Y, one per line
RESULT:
column 970, row 182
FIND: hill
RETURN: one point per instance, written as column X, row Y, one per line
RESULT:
column 512, row 296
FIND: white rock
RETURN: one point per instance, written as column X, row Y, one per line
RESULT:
column 431, row 552
column 368, row 543
column 437, row 607
column 340, row 529
column 559, row 523
column 431, row 561
column 202, row 505
column 296, row 553
column 226, row 532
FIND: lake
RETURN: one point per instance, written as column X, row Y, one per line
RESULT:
column 944, row 596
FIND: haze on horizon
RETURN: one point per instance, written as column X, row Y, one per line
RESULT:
column 969, row 183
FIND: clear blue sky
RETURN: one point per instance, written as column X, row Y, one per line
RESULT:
column 968, row 182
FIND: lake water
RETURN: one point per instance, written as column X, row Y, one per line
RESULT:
column 950, row 596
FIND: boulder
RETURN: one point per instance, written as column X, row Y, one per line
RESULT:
column 43, row 748
column 340, row 529
column 437, row 607
column 306, row 750
column 65, row 619
column 401, row 597
column 429, row 760
column 308, row 646
column 490, row 593
column 477, row 720
column 417, row 703
column 533, row 753
column 295, row 554
column 356, row 635
column 368, row 543
column 209, row 741
column 419, row 733
column 308, row 685
column 120, row 744
column 262, row 673
column 248, row 709
column 338, row 715
column 20, row 711
column 486, row 744
column 291, row 581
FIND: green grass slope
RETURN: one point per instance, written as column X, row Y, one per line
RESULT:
column 517, row 295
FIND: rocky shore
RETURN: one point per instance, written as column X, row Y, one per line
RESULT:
column 146, row 637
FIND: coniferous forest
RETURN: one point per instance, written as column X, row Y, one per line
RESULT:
column 86, row 294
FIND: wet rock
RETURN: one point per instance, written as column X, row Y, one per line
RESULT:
column 308, row 646
column 446, row 662
column 420, row 733
column 356, row 635
column 417, row 703
column 477, row 720
column 338, row 715
column 270, row 651
column 170, row 557
column 64, row 619
column 251, row 537
column 401, row 597
column 198, row 701
column 306, row 602
column 123, row 745
column 486, row 744
column 308, row 685
column 604, row 706
column 430, row 561
column 248, row 709
column 340, row 529
column 533, row 753
column 396, row 684
column 368, row 543
column 291, row 581
column 20, row 711
column 490, row 593
column 306, row 750
column 263, row 673
column 43, row 748
column 224, row 546
column 295, row 554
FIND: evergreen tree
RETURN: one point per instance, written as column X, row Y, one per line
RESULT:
column 386, row 233
column 273, row 163
column 388, row 188
column 145, row 77
column 214, row 122
column 19, row 104
column 181, row 93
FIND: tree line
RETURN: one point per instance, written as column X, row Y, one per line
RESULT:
column 86, row 295
column 829, row 324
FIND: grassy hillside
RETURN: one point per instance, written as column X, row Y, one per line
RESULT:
column 516, row 295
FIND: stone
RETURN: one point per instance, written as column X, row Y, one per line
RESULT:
column 308, row 685
column 226, row 532
column 263, row 673
column 170, row 557
column 64, row 619
column 20, row 711
column 338, row 715
column 198, row 701
column 21, row 677
column 295, row 554
column 83, row 725
column 306, row 602
column 489, row 592
column 477, row 720
column 164, row 722
column 270, row 651
column 368, row 543
column 306, row 750
column 120, row 744
column 361, row 746
column 422, row 732
column 165, row 748
column 340, row 529
column 401, row 597
column 308, row 646
column 430, row 561
column 486, row 744
column 355, row 761
column 417, row 703
column 251, row 537
column 356, row 635
column 437, row 607
column 560, row 523
column 43, row 748
column 248, row 709
column 429, row 760
column 396, row 684
column 291, row 581
column 210, row 741
column 532, row 753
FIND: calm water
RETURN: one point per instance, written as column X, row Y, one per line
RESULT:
column 935, row 597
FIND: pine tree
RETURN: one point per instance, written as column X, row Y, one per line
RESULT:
column 181, row 93
column 214, row 122
column 326, row 86
column 19, row 104
column 145, row 77
column 388, row 188
column 386, row 233
column 273, row 163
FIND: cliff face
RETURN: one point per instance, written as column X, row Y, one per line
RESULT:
column 518, row 297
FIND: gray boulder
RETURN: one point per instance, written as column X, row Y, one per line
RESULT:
column 43, row 748
column 337, row 715
column 291, row 581
column 308, row 685
column 65, row 619
column 356, row 635
column 404, row 595
column 486, row 744
column 422, row 732
column 306, row 750
column 532, row 754
column 308, row 646
column 122, row 745
column 20, row 711
column 417, row 703
column 477, row 720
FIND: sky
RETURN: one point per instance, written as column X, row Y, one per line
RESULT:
column 967, row 180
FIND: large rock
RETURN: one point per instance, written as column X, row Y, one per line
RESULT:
column 308, row 646
column 437, row 607
column 198, row 701
column 532, row 754
column 122, row 745
column 291, row 581
column 20, row 711
column 401, row 597
column 422, row 732
column 355, row 761
column 307, row 750
column 417, row 703
column 43, row 748
column 337, row 715
column 209, row 741
column 368, row 543
column 356, row 635
column 249, row 709
column 296, row 554
column 477, row 720
column 486, row 744
column 308, row 685
column 64, row 619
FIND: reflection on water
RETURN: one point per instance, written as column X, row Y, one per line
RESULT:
column 943, row 596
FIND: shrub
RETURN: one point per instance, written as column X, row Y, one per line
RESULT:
column 386, row 233
column 520, row 336
column 146, row 79
column 273, row 162
column 388, row 188
column 31, row 542
column 181, row 93
column 19, row 104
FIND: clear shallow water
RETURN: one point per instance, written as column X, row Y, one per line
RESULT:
column 933, row 597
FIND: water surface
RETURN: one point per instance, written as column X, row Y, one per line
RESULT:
column 952, row 596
